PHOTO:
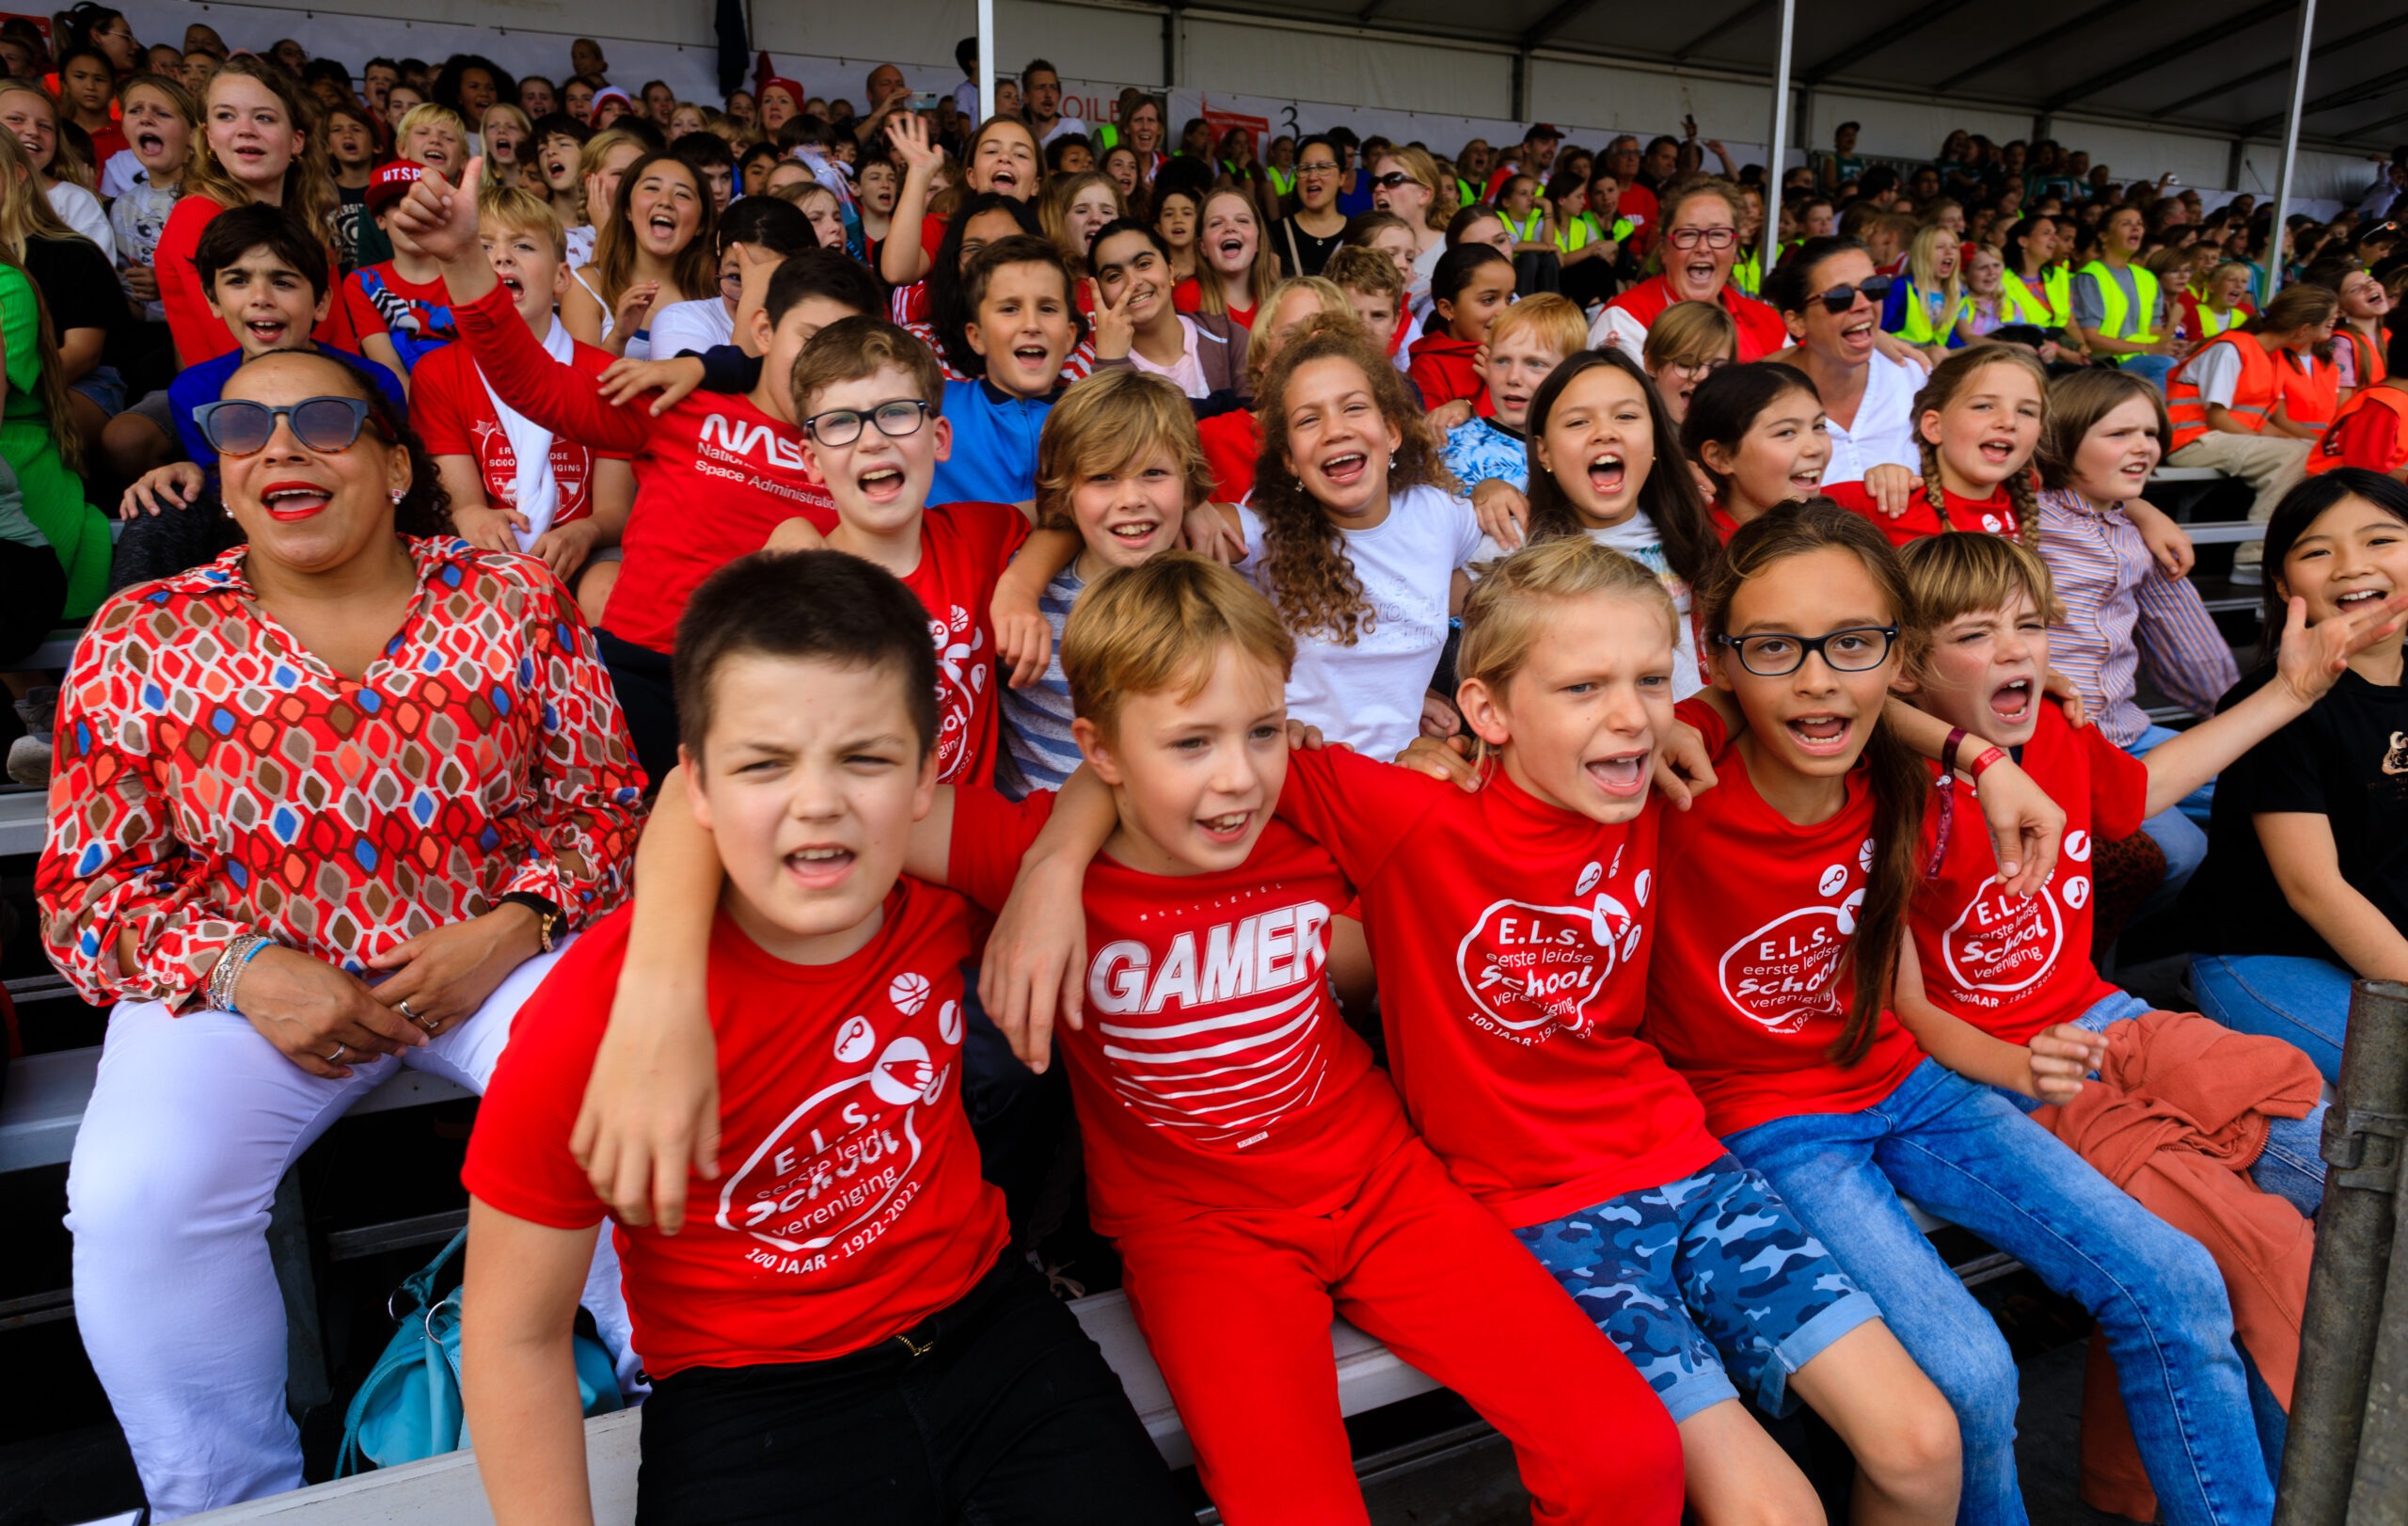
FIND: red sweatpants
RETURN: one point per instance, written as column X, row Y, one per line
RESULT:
column 1237, row 1308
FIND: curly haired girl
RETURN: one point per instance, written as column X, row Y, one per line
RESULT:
column 1356, row 531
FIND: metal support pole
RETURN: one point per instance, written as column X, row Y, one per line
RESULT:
column 2363, row 1144
column 2290, row 148
column 986, row 59
column 1777, row 151
column 1521, row 111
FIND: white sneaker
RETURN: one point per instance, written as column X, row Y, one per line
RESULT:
column 2248, row 574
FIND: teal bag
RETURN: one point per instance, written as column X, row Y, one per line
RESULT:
column 409, row 1408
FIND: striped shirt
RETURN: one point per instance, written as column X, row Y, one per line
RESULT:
column 1038, row 753
column 2124, row 617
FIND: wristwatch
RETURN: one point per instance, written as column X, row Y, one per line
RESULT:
column 547, row 916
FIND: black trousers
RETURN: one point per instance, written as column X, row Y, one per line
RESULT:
column 37, row 586
column 1000, row 1410
column 647, row 699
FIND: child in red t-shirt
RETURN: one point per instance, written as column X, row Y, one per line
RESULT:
column 1255, row 1167
column 1470, row 287
column 516, row 486
column 1977, row 421
column 1512, row 928
column 399, row 306
column 1779, row 932
column 1759, row 434
column 2008, row 982
column 715, row 473
column 840, row 1334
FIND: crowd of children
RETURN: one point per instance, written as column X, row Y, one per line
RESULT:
column 1546, row 779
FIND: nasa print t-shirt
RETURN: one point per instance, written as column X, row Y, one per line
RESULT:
column 1213, row 1071
column 849, row 1205
column 1513, row 939
column 2012, row 965
column 1748, row 992
column 964, row 549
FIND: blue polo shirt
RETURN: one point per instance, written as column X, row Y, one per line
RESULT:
column 994, row 445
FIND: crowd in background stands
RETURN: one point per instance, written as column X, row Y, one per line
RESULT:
column 441, row 411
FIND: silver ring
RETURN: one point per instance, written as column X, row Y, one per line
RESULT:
column 404, row 1007
column 336, row 1059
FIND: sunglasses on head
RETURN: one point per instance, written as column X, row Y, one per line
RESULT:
column 237, row 426
column 1841, row 298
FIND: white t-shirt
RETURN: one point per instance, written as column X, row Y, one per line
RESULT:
column 695, row 326
column 577, row 245
column 1636, row 538
column 1064, row 125
column 1369, row 695
column 80, row 210
column 1883, row 431
column 118, row 175
column 2215, row 370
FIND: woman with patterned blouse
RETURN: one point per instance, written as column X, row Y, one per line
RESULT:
column 337, row 797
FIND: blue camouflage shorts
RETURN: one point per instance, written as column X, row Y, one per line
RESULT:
column 1709, row 1284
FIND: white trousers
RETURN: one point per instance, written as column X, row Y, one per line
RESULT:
column 193, row 1122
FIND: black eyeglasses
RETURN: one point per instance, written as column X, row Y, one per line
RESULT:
column 1713, row 238
column 1857, row 650
column 842, row 426
column 236, row 426
column 1393, row 179
column 1841, row 298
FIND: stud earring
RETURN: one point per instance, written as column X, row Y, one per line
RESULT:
column 398, row 496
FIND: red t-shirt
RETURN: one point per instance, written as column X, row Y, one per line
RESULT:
column 963, row 548
column 1215, row 1071
column 2013, row 967
column 849, row 1206
column 1724, row 526
column 1512, row 1023
column 1188, row 296
column 430, row 304
column 108, row 142
column 1762, row 330
column 714, row 475
column 198, row 333
column 1232, row 445
column 453, row 412
column 1995, row 513
column 1748, row 990
column 1443, row 369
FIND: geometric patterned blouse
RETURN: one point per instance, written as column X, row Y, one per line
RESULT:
column 214, row 778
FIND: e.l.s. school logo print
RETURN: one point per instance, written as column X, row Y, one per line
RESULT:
column 838, row 1172
column 963, row 661
column 1781, row 974
column 1532, row 969
column 2000, row 944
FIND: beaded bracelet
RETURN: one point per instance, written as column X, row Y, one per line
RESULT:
column 228, row 972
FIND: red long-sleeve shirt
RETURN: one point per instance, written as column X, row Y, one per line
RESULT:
column 714, row 475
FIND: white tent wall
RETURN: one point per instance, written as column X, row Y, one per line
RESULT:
column 1293, row 74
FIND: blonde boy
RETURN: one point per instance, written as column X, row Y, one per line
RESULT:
column 1376, row 290
column 1487, row 453
column 516, row 486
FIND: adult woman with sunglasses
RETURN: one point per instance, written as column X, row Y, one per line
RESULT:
column 1691, row 262
column 1830, row 300
column 333, row 801
column 1405, row 182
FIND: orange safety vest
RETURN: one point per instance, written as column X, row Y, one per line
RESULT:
column 2253, row 395
column 2328, row 452
column 2370, row 356
column 2311, row 389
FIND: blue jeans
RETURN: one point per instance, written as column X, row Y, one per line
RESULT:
column 2180, row 832
column 1961, row 1152
column 2303, row 1001
column 2152, row 368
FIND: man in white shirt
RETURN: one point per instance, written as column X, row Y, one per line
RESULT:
column 1041, row 88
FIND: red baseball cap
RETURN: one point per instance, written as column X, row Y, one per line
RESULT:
column 391, row 182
